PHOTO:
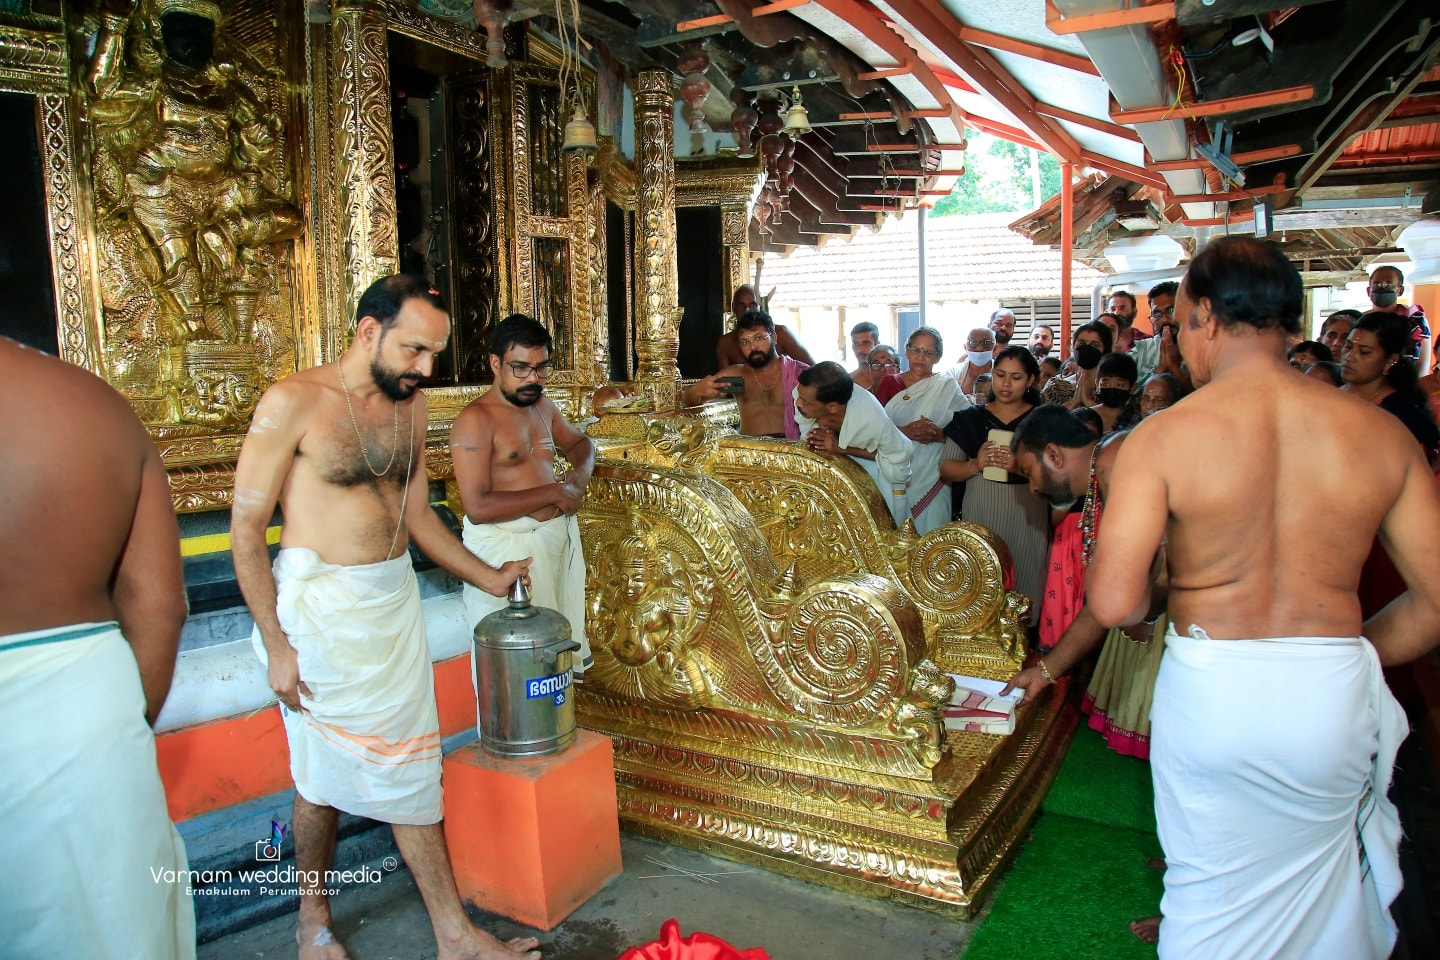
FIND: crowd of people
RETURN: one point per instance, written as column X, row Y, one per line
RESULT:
column 1157, row 494
column 1038, row 449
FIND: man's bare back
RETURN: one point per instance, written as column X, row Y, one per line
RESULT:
column 82, row 478
column 1274, row 487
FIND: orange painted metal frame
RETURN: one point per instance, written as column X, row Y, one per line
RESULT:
column 1211, row 108
column 1102, row 21
column 1223, row 197
column 942, row 29
column 1024, row 48
column 1241, row 159
column 1094, row 123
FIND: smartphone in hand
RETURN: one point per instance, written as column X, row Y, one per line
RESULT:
column 730, row 386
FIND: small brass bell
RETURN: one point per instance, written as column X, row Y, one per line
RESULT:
column 580, row 134
column 797, row 118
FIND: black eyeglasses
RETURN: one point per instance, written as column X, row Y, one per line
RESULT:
column 524, row 371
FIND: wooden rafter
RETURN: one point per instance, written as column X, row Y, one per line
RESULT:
column 1215, row 108
column 1151, row 13
column 1024, row 48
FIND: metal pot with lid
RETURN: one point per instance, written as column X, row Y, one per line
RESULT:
column 522, row 665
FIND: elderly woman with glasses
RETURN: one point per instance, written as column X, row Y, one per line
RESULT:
column 920, row 402
column 884, row 361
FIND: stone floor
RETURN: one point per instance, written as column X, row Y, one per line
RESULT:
column 746, row 906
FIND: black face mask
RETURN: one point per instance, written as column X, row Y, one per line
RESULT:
column 1113, row 396
column 1088, row 356
column 1384, row 298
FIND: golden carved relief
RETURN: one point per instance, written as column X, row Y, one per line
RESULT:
column 77, row 311
column 796, row 721
column 33, row 61
column 194, row 187
column 657, row 320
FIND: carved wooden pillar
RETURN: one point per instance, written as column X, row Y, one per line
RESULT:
column 365, row 169
column 657, row 335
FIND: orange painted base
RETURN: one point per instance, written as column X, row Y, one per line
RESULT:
column 533, row 839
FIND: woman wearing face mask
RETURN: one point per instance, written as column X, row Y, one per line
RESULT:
column 1115, row 383
column 919, row 401
column 1016, row 514
column 1088, row 344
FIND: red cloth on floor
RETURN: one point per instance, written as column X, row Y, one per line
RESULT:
column 697, row 946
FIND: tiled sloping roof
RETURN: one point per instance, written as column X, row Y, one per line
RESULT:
column 974, row 259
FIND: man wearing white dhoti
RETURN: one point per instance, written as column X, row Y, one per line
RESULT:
column 506, row 446
column 89, row 627
column 338, row 620
column 834, row 417
column 1272, row 733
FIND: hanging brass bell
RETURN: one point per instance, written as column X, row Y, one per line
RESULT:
column 797, row 118
column 580, row 134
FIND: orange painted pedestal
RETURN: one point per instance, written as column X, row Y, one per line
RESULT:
column 533, row 839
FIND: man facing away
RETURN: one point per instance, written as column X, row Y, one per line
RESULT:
column 863, row 338
column 767, row 404
column 92, row 600
column 504, row 446
column 837, row 418
column 338, row 622
column 1273, row 735
column 728, row 350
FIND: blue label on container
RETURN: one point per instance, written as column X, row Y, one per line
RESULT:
column 548, row 686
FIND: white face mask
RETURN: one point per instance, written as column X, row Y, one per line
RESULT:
column 978, row 358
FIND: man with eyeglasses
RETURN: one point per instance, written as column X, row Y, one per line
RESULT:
column 1158, row 354
column 728, row 351
column 767, row 382
column 979, row 358
column 1387, row 283
column 522, row 469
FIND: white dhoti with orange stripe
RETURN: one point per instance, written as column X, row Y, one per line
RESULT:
column 368, row 739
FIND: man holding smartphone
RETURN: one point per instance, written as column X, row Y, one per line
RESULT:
column 763, row 385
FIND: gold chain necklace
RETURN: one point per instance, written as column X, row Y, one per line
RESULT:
column 394, row 440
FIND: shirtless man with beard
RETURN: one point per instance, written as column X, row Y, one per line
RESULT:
column 767, row 404
column 338, row 620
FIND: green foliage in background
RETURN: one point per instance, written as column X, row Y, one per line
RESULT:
column 997, row 179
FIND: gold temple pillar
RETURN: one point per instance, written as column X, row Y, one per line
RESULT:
column 735, row 239
column 365, row 168
column 657, row 334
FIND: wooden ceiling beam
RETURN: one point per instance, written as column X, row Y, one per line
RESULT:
column 1032, row 51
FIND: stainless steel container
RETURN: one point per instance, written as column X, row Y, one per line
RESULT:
column 522, row 663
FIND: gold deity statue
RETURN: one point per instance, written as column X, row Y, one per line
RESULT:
column 191, row 216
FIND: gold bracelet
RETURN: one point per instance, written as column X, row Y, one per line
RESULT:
column 1045, row 671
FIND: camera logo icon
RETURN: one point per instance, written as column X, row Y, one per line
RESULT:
column 268, row 849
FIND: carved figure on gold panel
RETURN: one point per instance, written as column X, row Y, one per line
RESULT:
column 650, row 625
column 188, row 183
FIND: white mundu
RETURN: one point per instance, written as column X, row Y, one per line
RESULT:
column 368, row 739
column 1271, row 761
column 557, row 570
column 93, row 866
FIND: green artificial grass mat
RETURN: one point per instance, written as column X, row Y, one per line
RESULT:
column 1074, row 889
column 1096, row 783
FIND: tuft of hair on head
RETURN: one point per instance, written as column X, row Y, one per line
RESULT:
column 518, row 330
column 1248, row 283
column 386, row 297
column 1050, row 423
column 831, row 381
column 1120, row 365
